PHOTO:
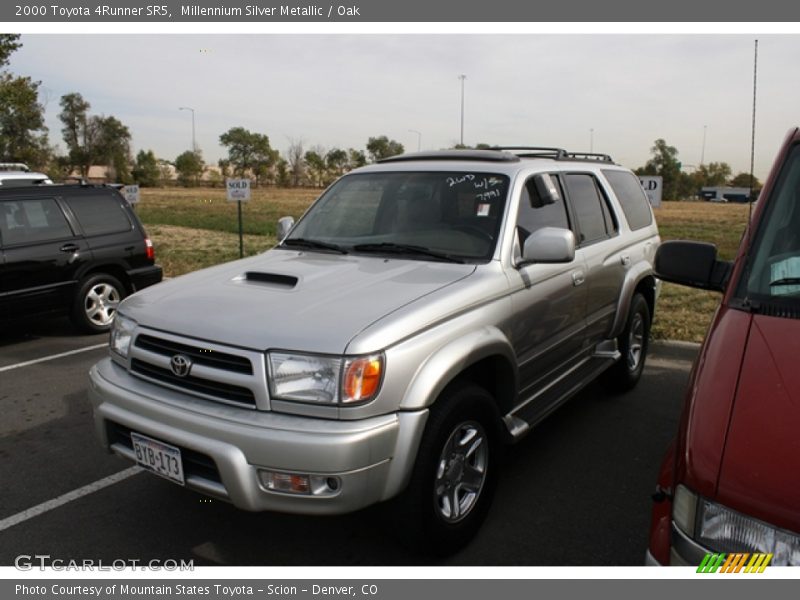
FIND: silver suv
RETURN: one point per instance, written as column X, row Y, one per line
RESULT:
column 424, row 311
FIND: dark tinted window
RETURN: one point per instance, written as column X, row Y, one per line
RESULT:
column 632, row 198
column 31, row 221
column 100, row 214
column 534, row 213
column 591, row 210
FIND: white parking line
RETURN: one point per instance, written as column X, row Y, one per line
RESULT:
column 67, row 498
column 53, row 357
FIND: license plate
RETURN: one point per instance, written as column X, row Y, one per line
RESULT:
column 158, row 457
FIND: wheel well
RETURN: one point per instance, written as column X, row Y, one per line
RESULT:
column 647, row 288
column 496, row 376
column 113, row 270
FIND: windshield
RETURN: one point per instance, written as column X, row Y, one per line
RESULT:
column 419, row 215
column 772, row 273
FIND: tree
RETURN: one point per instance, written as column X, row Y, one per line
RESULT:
column 712, row 174
column 383, row 147
column 356, row 158
column 146, row 171
column 189, row 166
column 9, row 43
column 336, row 161
column 296, row 161
column 94, row 139
column 665, row 163
column 743, row 180
column 248, row 151
column 315, row 164
column 23, row 135
column 284, row 177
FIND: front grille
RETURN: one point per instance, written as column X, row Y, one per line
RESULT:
column 198, row 354
column 194, row 463
column 216, row 389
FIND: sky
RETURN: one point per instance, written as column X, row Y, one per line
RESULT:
column 611, row 93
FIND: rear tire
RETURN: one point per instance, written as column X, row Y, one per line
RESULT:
column 633, row 344
column 96, row 303
column 454, row 475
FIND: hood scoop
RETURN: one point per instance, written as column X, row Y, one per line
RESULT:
column 275, row 279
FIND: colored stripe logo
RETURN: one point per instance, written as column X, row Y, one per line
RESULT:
column 734, row 563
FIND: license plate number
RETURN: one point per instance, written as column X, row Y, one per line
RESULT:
column 158, row 457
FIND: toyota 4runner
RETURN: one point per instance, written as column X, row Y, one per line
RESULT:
column 425, row 310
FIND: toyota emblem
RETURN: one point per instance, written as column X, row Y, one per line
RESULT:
column 180, row 365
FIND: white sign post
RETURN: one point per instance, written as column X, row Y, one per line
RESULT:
column 653, row 186
column 131, row 193
column 238, row 191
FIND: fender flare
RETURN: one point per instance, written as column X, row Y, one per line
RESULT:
column 443, row 366
column 633, row 278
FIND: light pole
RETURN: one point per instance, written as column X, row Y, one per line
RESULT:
column 419, row 138
column 194, row 144
column 703, row 150
column 462, row 78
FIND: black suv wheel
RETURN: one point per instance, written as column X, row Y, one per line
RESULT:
column 96, row 304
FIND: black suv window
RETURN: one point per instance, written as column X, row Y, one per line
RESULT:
column 33, row 220
column 632, row 198
column 99, row 214
column 594, row 218
column 534, row 213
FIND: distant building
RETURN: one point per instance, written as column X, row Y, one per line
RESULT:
column 725, row 194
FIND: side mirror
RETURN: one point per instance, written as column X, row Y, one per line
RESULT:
column 692, row 263
column 548, row 245
column 546, row 189
column 285, row 225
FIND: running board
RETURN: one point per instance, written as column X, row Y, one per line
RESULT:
column 530, row 412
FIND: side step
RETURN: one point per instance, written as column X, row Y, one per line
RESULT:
column 520, row 421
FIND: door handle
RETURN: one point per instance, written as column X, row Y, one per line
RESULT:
column 578, row 277
column 69, row 248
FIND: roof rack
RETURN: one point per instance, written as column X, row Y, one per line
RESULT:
column 491, row 155
column 533, row 151
column 14, row 166
column 554, row 153
column 592, row 156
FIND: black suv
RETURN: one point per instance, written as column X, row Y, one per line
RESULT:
column 75, row 249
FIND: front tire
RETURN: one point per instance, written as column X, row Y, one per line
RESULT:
column 633, row 344
column 96, row 303
column 455, row 473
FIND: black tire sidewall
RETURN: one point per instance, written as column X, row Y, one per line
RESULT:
column 629, row 377
column 79, row 317
column 426, row 529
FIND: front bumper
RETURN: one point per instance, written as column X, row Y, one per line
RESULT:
column 371, row 458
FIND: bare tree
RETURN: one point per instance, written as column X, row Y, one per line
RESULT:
column 296, row 160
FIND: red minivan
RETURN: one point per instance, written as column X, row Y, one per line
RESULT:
column 730, row 481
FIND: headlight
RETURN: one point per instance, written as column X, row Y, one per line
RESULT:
column 324, row 379
column 122, row 334
column 725, row 530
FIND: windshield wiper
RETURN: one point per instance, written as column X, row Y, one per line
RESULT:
column 408, row 249
column 786, row 281
column 312, row 244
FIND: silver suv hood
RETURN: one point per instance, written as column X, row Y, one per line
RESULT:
column 289, row 300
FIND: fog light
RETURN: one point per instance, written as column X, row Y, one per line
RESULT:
column 298, row 483
column 286, row 482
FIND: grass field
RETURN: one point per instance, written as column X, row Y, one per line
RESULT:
column 196, row 228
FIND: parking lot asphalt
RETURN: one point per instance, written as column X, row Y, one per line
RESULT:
column 575, row 491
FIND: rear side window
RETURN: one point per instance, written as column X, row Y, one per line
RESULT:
column 100, row 215
column 34, row 220
column 631, row 197
column 594, row 218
